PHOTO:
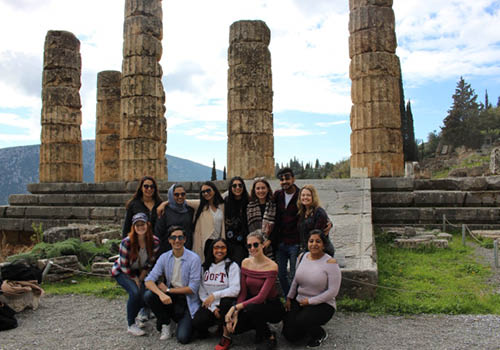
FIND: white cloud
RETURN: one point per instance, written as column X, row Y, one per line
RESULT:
column 328, row 124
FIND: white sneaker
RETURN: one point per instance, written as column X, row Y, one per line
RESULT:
column 165, row 332
column 173, row 327
column 144, row 314
column 135, row 330
column 140, row 323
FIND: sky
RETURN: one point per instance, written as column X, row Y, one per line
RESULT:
column 438, row 42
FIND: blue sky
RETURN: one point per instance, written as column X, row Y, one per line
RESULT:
column 438, row 41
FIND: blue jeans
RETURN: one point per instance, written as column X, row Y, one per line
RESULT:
column 165, row 313
column 135, row 296
column 285, row 253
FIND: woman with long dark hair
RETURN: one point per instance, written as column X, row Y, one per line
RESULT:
column 137, row 257
column 261, row 212
column 311, row 300
column 145, row 200
column 235, row 218
column 258, row 302
column 220, row 285
column 312, row 216
column 208, row 219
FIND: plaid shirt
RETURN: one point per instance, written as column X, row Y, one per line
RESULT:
column 123, row 263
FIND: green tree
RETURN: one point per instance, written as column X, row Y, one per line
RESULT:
column 461, row 121
column 224, row 173
column 408, row 133
column 214, row 172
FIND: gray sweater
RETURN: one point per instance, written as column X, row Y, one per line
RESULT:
column 316, row 280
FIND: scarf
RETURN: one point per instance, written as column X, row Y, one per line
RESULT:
column 172, row 204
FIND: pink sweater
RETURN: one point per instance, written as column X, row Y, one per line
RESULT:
column 317, row 280
column 257, row 286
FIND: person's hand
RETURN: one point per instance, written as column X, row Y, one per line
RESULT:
column 231, row 319
column 137, row 281
column 208, row 301
column 327, row 228
column 217, row 313
column 288, row 304
column 161, row 209
column 162, row 286
column 165, row 299
column 304, row 302
column 266, row 243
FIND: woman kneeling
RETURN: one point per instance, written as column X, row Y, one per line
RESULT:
column 311, row 300
column 258, row 302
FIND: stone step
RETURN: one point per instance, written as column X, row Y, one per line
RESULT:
column 448, row 184
column 436, row 199
column 114, row 187
column 423, row 216
column 493, row 234
column 69, row 199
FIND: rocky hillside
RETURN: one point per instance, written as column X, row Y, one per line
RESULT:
column 20, row 167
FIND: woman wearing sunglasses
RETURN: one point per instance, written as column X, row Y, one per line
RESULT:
column 209, row 218
column 261, row 212
column 137, row 256
column 311, row 300
column 176, row 213
column 145, row 200
column 235, row 218
column 258, row 302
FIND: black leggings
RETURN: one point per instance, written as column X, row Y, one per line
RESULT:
column 256, row 316
column 302, row 321
column 204, row 318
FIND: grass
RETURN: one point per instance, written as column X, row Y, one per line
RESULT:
column 86, row 285
column 469, row 162
column 435, row 281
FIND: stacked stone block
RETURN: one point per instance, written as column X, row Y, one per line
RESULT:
column 376, row 142
column 61, row 139
column 107, row 140
column 250, row 148
column 143, row 135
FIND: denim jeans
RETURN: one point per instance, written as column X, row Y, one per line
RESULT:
column 165, row 313
column 135, row 296
column 286, row 252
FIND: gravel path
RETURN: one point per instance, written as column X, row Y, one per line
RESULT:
column 84, row 322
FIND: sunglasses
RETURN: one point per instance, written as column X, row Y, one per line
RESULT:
column 237, row 185
column 180, row 194
column 255, row 245
column 285, row 177
column 174, row 238
column 208, row 190
column 148, row 186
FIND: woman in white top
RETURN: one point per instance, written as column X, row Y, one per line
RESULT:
column 220, row 285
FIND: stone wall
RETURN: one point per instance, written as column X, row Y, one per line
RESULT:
column 61, row 138
column 250, row 147
column 376, row 142
column 143, row 125
column 107, row 140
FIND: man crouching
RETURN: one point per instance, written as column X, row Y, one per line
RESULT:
column 177, row 298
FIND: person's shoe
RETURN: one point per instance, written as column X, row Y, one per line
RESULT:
column 224, row 343
column 135, row 330
column 165, row 332
column 315, row 342
column 140, row 323
column 269, row 343
column 143, row 315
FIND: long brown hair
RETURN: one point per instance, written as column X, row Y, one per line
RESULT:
column 315, row 200
column 134, row 242
column 138, row 192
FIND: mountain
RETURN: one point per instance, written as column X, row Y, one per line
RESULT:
column 20, row 167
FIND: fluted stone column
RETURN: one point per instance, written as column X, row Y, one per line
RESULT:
column 143, row 126
column 107, row 139
column 250, row 146
column 376, row 142
column 61, row 138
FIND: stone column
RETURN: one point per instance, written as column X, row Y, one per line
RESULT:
column 376, row 142
column 250, row 145
column 107, row 133
column 61, row 139
column 143, row 125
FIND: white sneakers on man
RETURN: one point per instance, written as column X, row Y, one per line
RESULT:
column 167, row 331
column 135, row 330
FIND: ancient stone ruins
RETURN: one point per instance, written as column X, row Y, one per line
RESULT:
column 376, row 142
column 250, row 144
column 61, row 147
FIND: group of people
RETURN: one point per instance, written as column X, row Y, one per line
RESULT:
column 216, row 261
